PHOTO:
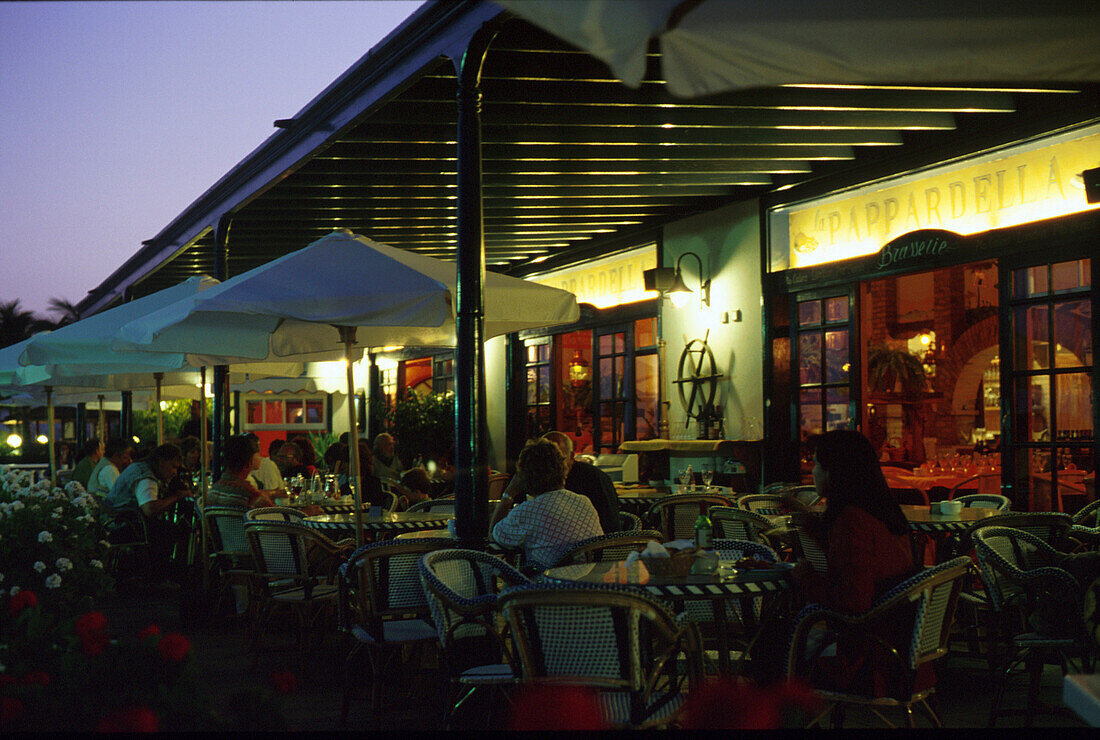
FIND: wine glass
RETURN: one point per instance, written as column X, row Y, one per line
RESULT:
column 708, row 476
column 686, row 478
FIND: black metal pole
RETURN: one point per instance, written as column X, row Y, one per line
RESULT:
column 220, row 381
column 81, row 427
column 126, row 417
column 471, row 430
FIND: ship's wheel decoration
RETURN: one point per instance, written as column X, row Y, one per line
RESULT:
column 699, row 371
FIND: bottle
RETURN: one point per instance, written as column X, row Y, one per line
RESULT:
column 704, row 533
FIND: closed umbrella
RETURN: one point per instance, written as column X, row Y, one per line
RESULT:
column 713, row 46
column 334, row 297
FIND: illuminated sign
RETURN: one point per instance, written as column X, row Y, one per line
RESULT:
column 1007, row 188
column 610, row 281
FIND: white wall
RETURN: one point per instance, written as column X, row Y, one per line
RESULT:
column 728, row 242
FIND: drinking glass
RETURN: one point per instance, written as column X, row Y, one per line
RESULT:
column 708, row 476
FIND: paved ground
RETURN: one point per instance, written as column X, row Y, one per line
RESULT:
column 411, row 702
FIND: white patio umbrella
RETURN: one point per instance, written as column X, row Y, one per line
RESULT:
column 715, row 46
column 334, row 297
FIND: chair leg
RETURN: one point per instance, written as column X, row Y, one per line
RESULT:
column 349, row 681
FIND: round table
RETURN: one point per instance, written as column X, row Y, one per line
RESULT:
column 637, row 499
column 339, row 526
column 719, row 587
column 939, row 527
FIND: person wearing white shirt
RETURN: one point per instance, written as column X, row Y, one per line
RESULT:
column 116, row 457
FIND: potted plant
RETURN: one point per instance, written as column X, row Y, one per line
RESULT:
column 893, row 370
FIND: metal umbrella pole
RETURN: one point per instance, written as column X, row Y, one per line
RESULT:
column 347, row 336
column 159, row 378
column 50, row 436
column 203, row 466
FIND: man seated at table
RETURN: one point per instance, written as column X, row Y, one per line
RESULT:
column 291, row 464
column 267, row 476
column 90, row 455
column 552, row 518
column 242, row 457
column 116, row 457
column 142, row 491
column 387, row 465
column 583, row 478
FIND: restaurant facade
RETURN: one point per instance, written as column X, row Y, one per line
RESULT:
column 817, row 268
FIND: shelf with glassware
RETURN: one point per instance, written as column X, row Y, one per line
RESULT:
column 736, row 463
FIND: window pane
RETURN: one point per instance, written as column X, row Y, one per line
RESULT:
column 255, row 412
column 619, row 374
column 315, row 412
column 532, row 386
column 645, row 390
column 544, row 384
column 273, row 412
column 544, row 352
column 1038, row 425
column 1030, row 281
column 1031, row 338
column 836, row 309
column 837, row 408
column 607, row 377
column 1073, row 401
column 532, row 353
column 809, row 313
column 809, row 358
column 836, row 356
column 295, row 413
column 809, row 403
column 645, row 333
column 1070, row 275
column 1073, row 334
column 606, row 344
column 620, row 342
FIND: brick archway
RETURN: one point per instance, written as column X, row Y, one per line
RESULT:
column 959, row 373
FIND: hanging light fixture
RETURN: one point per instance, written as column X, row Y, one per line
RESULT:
column 580, row 372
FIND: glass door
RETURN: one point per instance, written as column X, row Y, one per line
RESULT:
column 1048, row 383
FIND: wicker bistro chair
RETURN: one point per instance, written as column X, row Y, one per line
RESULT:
column 629, row 522
column 1085, row 532
column 461, row 587
column 607, row 547
column 985, row 501
column 739, row 524
column 289, row 575
column 924, row 603
column 383, row 607
column 434, row 506
column 1039, row 606
column 765, row 504
column 640, row 659
column 275, row 514
column 230, row 553
column 674, row 516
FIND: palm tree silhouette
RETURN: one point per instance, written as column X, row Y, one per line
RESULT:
column 67, row 311
column 16, row 323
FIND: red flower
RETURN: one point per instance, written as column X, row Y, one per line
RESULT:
column 38, row 678
column 285, row 682
column 174, row 647
column 21, row 601
column 557, row 708
column 149, row 631
column 10, row 710
column 91, row 627
column 131, row 719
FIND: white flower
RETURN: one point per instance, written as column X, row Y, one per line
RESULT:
column 39, row 566
column 53, row 581
column 45, row 536
column 64, row 564
column 55, row 515
column 14, row 591
column 17, row 506
column 96, row 564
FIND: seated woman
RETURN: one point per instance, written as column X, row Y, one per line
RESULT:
column 552, row 518
column 866, row 541
column 370, row 488
column 242, row 456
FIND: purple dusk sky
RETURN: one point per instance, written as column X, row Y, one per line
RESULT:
column 115, row 116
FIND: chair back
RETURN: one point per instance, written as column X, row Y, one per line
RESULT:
column 1005, row 555
column 615, row 640
column 739, row 524
column 985, row 501
column 461, row 588
column 766, row 504
column 812, row 550
column 434, row 506
column 935, row 591
column 275, row 514
column 607, row 548
column 497, row 483
column 629, row 522
column 225, row 525
column 1050, row 526
column 674, row 516
column 734, row 549
column 383, row 581
column 279, row 548
column 389, row 500
column 1088, row 516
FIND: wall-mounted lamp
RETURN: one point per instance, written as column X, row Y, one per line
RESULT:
column 669, row 281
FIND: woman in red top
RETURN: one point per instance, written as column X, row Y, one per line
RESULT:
column 867, row 547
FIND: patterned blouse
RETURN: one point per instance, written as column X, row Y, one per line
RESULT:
column 546, row 526
column 232, row 491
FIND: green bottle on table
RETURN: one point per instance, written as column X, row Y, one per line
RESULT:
column 704, row 532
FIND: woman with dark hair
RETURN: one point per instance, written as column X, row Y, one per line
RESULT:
column 370, row 488
column 866, row 541
column 242, row 456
